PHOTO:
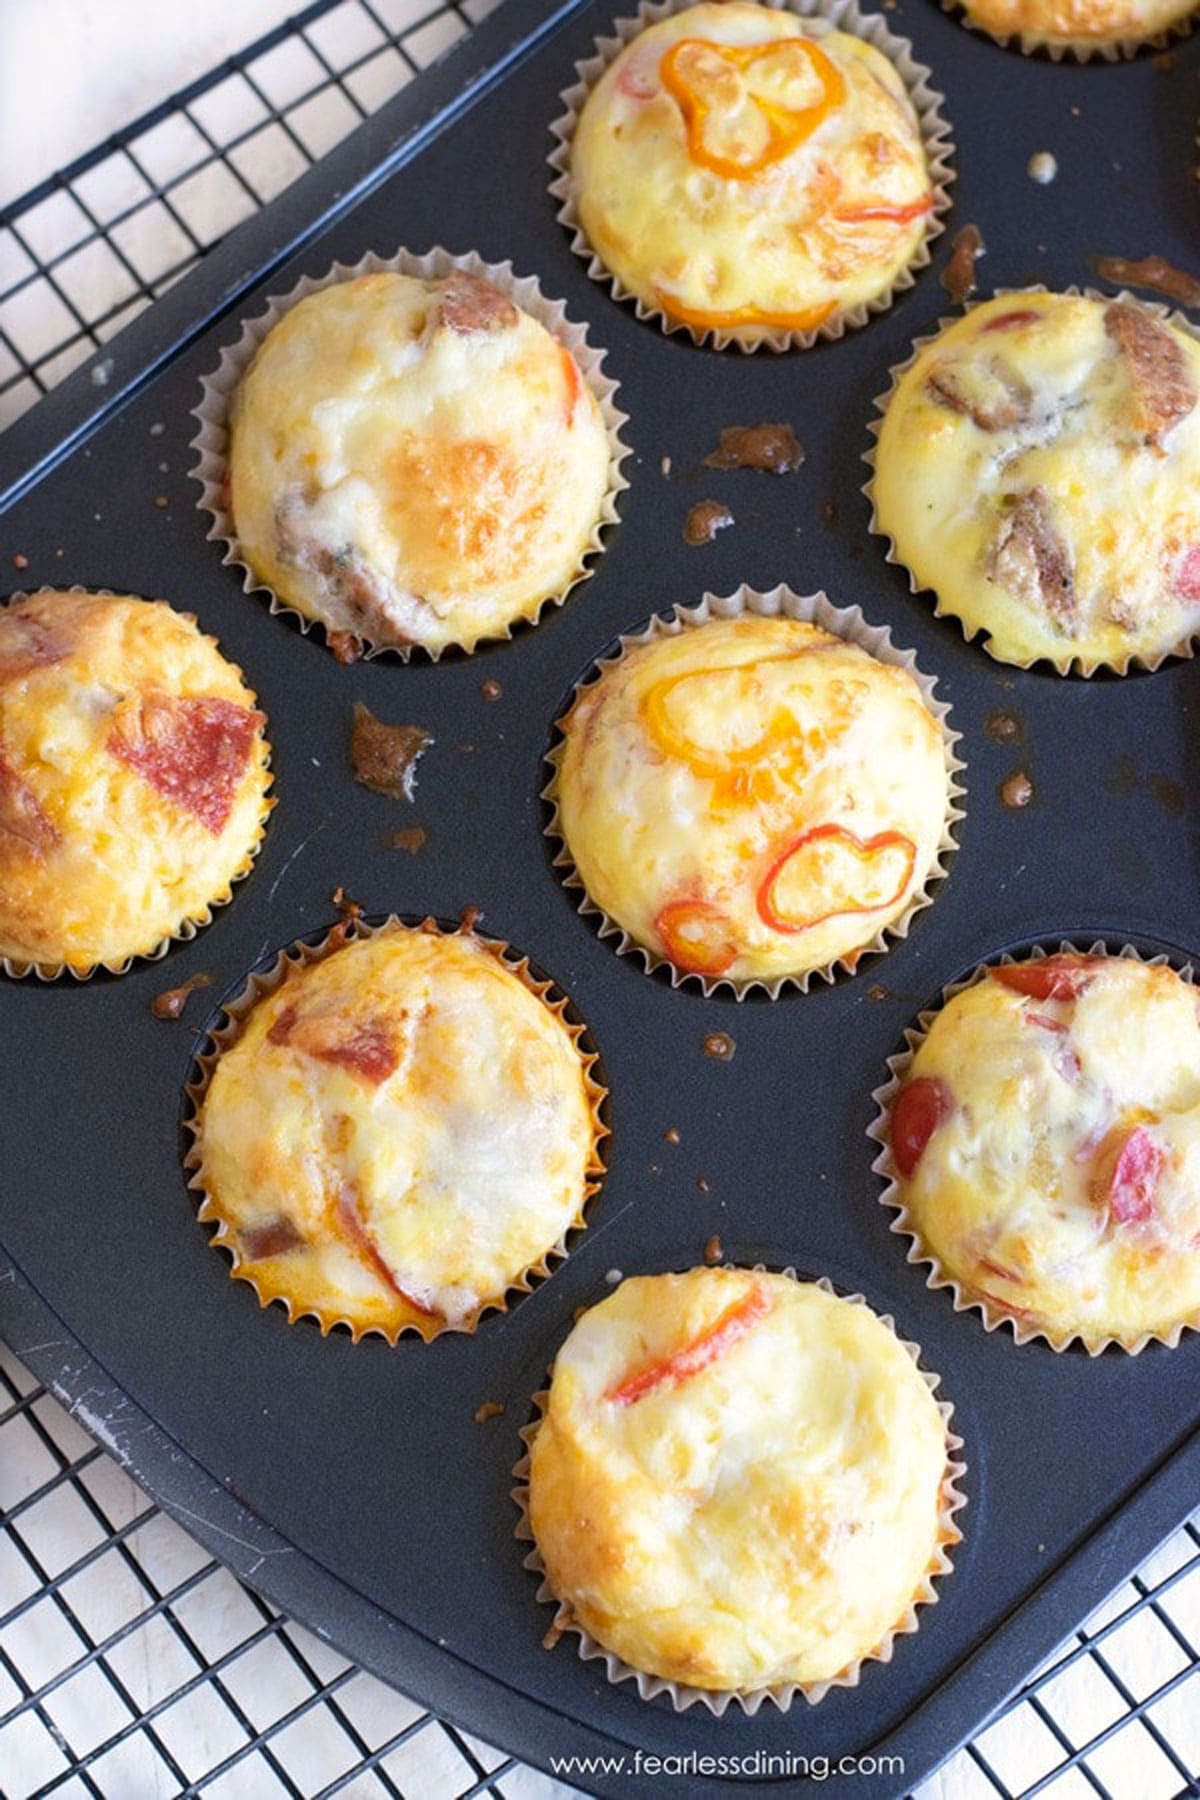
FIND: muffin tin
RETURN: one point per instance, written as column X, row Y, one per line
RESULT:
column 352, row 1483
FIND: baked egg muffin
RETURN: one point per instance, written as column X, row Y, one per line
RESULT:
column 739, row 1481
column 415, row 461
column 133, row 779
column 751, row 798
column 1079, row 25
column 745, row 171
column 1038, row 467
column 1046, row 1146
column 396, row 1135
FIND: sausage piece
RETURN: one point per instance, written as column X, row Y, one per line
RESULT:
column 1163, row 389
column 470, row 304
column 996, row 397
column 1029, row 558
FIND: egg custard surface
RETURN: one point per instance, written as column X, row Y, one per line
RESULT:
column 1038, row 467
column 744, row 174
column 415, row 461
column 738, row 1480
column 133, row 778
column 1047, row 1146
column 398, row 1134
column 752, row 798
column 1077, row 24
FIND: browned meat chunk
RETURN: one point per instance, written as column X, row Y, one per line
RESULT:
column 469, row 304
column 368, row 600
column 1163, row 389
column 996, row 397
column 1030, row 559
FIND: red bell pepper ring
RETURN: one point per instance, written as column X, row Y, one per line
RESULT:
column 733, row 1325
column 1128, row 1182
column 694, row 937
column 864, row 849
column 921, row 1106
column 1048, row 977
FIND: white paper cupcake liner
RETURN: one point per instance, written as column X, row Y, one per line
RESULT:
column 821, row 17
column 1085, row 666
column 211, row 442
column 1030, row 43
column 846, row 622
column 879, row 1131
column 223, row 1035
column 718, row 1701
column 19, row 970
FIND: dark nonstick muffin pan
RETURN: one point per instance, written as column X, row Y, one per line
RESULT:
column 352, row 1483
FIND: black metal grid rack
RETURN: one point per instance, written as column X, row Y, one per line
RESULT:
column 113, row 1680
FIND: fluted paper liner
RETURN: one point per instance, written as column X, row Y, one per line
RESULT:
column 846, row 622
column 211, row 442
column 1073, row 663
column 719, row 1700
column 18, row 969
column 1080, row 50
column 222, row 1036
column 820, row 18
column 879, row 1131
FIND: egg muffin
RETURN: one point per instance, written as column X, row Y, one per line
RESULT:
column 752, row 798
column 739, row 1481
column 415, row 461
column 1079, row 25
column 133, row 779
column 1046, row 1145
column 747, row 172
column 398, row 1133
column 1038, row 467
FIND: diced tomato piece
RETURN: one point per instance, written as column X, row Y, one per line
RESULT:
column 920, row 1108
column 1048, row 977
column 1128, row 1175
column 367, row 1049
column 274, row 1237
column 729, row 1329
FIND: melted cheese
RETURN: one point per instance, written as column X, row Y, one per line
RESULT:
column 736, row 172
column 1079, row 23
column 768, row 1518
column 1010, row 1190
column 1120, row 511
column 408, row 481
column 696, row 764
column 123, row 865
column 411, row 1121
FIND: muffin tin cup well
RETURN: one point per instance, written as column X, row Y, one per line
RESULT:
column 879, row 1131
column 1085, row 666
column 719, row 1701
column 820, row 18
column 19, row 969
column 211, row 442
column 846, row 622
column 1029, row 43
column 260, row 986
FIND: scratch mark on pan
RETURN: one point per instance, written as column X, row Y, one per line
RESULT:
column 302, row 845
column 242, row 1543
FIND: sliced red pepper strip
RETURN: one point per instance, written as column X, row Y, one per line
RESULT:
column 1007, row 321
column 351, row 1221
column 733, row 1325
column 694, row 936
column 1127, row 1176
column 864, row 849
column 898, row 214
column 574, row 384
column 921, row 1106
column 1048, row 977
column 687, row 69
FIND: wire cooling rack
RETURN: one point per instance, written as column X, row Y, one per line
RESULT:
column 133, row 1666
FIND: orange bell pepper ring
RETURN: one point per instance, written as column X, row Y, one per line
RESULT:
column 713, row 763
column 732, row 1325
column 734, row 125
column 816, row 842
column 742, row 315
column 695, row 937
